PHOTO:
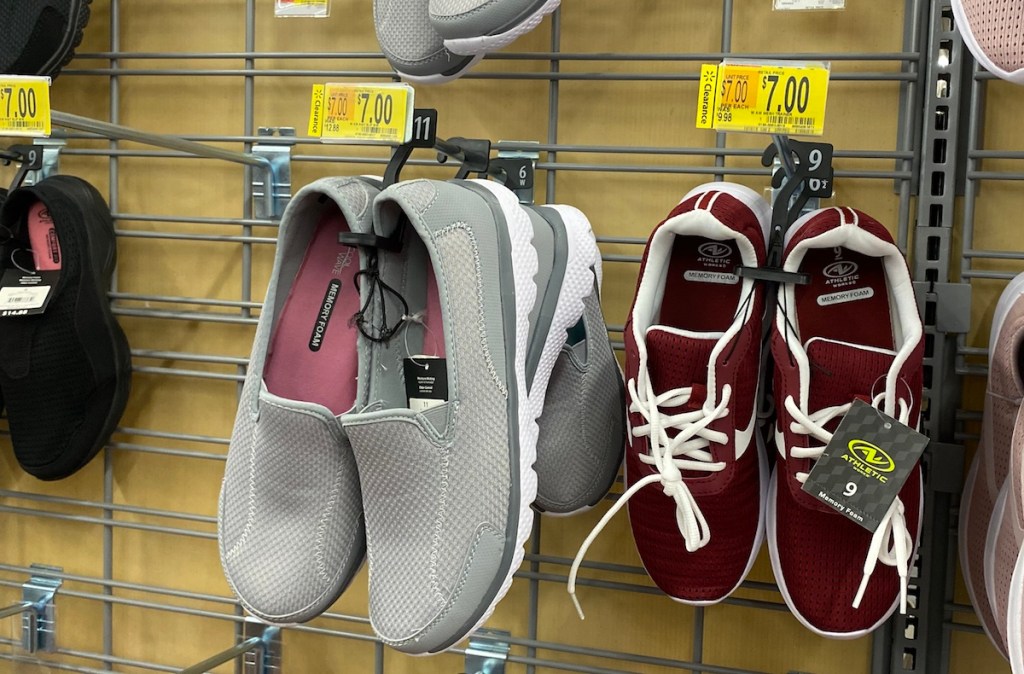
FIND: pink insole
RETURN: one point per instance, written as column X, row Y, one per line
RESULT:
column 433, row 330
column 312, row 355
column 42, row 238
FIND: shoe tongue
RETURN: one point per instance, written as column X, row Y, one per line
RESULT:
column 678, row 359
column 841, row 372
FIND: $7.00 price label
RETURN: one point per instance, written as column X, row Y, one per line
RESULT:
column 24, row 106
column 763, row 97
column 363, row 114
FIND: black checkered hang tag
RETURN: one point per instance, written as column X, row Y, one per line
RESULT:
column 865, row 465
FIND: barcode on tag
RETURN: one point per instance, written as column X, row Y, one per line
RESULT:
column 23, row 298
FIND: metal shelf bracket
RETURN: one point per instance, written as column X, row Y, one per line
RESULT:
column 277, row 150
column 37, row 611
column 487, row 652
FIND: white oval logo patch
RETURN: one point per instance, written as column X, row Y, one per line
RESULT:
column 715, row 249
column 840, row 269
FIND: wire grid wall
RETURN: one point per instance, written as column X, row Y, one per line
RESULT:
column 888, row 161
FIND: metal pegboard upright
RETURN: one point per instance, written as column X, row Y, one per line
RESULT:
column 919, row 639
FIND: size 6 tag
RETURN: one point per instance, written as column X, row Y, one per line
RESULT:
column 378, row 114
column 775, row 97
column 865, row 465
column 25, row 293
column 426, row 382
column 24, row 106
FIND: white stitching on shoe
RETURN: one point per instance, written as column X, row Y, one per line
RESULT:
column 481, row 321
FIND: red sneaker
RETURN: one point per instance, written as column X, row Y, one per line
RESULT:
column 853, row 332
column 695, row 472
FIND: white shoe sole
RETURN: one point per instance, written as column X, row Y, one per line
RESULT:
column 994, row 525
column 488, row 43
column 1017, row 76
column 524, row 268
column 1015, row 617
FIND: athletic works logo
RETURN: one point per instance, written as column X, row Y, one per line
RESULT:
column 316, row 340
column 869, row 460
column 840, row 269
column 715, row 255
column 715, row 250
column 841, row 273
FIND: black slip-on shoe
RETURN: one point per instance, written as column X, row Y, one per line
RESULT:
column 66, row 372
column 39, row 37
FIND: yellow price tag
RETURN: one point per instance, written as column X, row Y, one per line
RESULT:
column 765, row 98
column 355, row 113
column 24, row 106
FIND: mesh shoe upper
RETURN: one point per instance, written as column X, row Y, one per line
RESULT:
column 471, row 18
column 39, row 37
column 65, row 372
column 852, row 332
column 674, row 349
column 695, row 475
column 411, row 44
column 993, row 30
column 444, row 490
column 290, row 522
column 1003, row 397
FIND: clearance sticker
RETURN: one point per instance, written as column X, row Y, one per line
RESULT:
column 780, row 97
column 865, row 465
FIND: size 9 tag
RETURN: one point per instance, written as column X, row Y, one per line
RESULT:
column 24, row 106
column 864, row 467
column 771, row 97
column 379, row 114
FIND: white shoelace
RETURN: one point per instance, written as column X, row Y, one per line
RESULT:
column 891, row 543
column 691, row 442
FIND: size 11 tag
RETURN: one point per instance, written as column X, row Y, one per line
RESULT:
column 24, row 106
column 25, row 293
column 378, row 114
column 771, row 97
column 426, row 382
column 865, row 465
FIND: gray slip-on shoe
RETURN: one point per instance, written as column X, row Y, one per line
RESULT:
column 290, row 522
column 447, row 490
column 480, row 26
column 582, row 428
column 413, row 46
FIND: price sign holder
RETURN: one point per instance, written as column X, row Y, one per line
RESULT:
column 777, row 97
column 24, row 106
column 317, row 9
column 362, row 114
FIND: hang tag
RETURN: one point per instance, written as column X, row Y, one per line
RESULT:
column 426, row 382
column 25, row 293
column 865, row 465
